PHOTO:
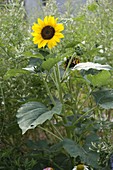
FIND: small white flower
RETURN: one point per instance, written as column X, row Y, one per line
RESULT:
column 83, row 42
column 80, row 167
column 65, row 58
column 100, row 46
column 106, row 48
column 101, row 51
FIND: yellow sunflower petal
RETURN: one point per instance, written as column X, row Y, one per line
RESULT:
column 42, row 43
column 46, row 20
column 51, row 43
column 34, row 34
column 36, row 28
column 59, row 27
column 41, row 23
column 59, row 35
column 52, row 21
column 56, row 39
column 49, row 19
column 50, row 46
column 37, row 39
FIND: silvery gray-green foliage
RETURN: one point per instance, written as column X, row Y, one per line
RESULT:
column 13, row 38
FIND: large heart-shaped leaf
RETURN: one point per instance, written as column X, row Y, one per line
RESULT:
column 92, row 159
column 90, row 65
column 32, row 114
column 104, row 98
column 100, row 79
column 73, row 149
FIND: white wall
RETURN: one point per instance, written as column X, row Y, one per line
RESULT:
column 34, row 7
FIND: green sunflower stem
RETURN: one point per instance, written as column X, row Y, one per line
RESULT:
column 59, row 83
column 46, row 130
column 63, row 77
column 85, row 114
column 48, row 91
column 53, row 126
column 59, row 87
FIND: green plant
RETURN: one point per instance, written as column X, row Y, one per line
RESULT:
column 70, row 109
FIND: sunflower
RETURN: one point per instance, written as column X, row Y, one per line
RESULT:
column 47, row 32
column 74, row 62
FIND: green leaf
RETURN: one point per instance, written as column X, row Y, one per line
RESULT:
column 73, row 149
column 92, row 138
column 92, row 159
column 38, row 145
column 100, row 79
column 57, row 108
column 32, row 114
column 14, row 73
column 89, row 139
column 92, row 7
column 80, row 18
column 35, row 55
column 104, row 98
column 72, row 44
column 50, row 62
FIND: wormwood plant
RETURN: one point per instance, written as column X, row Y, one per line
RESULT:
column 14, row 40
column 71, row 106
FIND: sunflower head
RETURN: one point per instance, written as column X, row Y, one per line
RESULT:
column 74, row 62
column 47, row 32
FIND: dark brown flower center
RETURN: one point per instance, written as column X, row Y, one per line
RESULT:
column 47, row 32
